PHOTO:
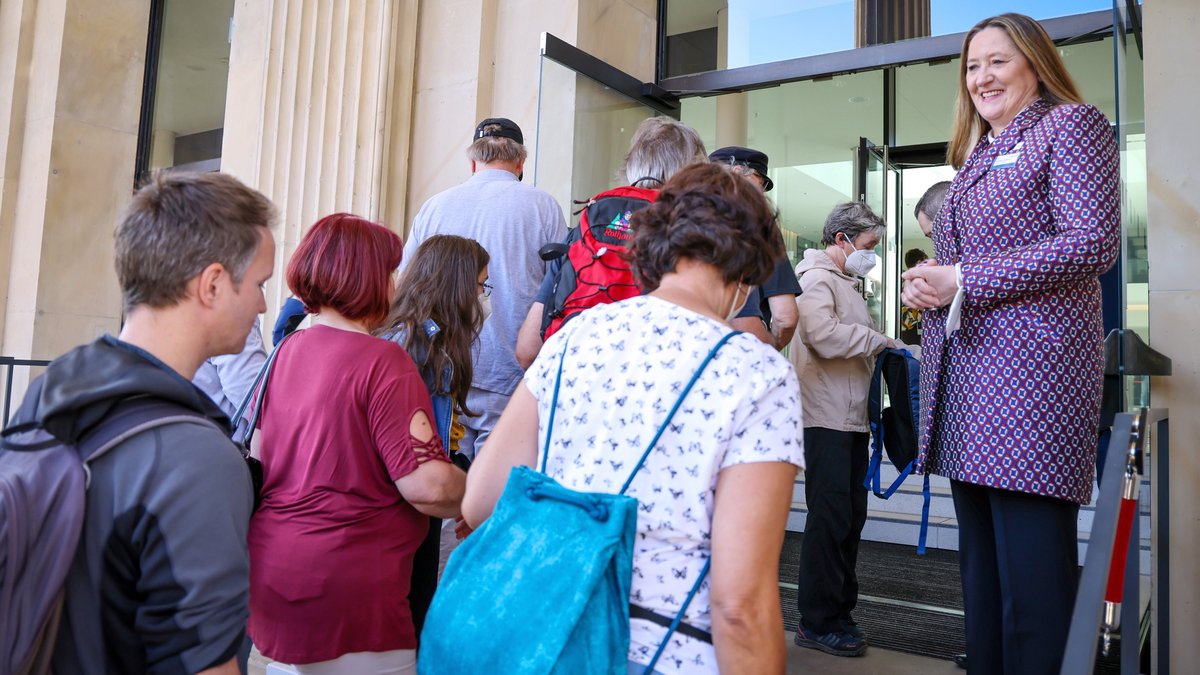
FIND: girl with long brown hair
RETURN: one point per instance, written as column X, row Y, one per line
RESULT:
column 440, row 304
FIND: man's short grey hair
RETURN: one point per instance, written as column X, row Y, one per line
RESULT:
column 660, row 147
column 490, row 149
column 931, row 202
column 851, row 219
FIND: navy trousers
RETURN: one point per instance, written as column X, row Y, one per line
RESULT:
column 836, row 465
column 1020, row 569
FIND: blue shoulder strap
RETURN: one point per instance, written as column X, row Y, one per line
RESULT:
column 874, row 418
column 641, row 461
column 695, row 376
column 653, row 441
column 678, row 617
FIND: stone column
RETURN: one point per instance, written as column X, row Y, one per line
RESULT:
column 1173, row 201
column 732, row 109
column 317, row 115
column 71, row 72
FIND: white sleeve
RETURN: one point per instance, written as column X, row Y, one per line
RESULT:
column 769, row 426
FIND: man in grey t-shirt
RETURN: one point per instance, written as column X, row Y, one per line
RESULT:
column 512, row 221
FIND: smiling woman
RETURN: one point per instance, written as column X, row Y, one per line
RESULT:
column 1011, row 372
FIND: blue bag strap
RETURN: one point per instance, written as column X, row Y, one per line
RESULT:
column 687, row 601
column 904, row 473
column 695, row 376
column 554, row 404
column 871, row 482
column 924, row 518
column 874, row 417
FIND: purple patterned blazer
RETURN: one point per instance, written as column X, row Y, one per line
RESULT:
column 1012, row 399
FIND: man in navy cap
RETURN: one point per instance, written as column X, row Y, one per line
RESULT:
column 770, row 311
column 511, row 220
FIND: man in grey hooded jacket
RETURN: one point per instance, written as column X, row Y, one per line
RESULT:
column 160, row 578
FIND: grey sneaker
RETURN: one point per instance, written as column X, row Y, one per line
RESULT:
column 838, row 643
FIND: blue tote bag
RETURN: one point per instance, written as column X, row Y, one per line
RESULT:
column 543, row 585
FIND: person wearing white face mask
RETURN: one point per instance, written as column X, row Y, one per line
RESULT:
column 833, row 352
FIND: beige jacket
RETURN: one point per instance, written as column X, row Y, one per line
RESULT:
column 835, row 346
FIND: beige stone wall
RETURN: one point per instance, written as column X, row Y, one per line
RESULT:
column 1173, row 187
column 317, row 112
column 504, row 38
column 68, row 136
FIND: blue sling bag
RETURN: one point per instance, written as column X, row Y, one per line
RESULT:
column 895, row 429
column 543, row 585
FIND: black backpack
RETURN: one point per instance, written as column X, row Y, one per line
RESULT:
column 43, row 482
column 896, row 429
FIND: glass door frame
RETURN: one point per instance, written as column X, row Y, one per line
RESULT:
column 646, row 93
column 870, row 155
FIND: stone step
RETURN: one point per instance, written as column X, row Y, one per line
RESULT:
column 905, row 528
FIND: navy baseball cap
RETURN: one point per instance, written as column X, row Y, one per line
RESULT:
column 507, row 129
column 739, row 156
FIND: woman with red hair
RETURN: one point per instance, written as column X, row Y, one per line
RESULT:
column 352, row 467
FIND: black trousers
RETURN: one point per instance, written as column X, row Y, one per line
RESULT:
column 1020, row 569
column 425, row 574
column 836, row 465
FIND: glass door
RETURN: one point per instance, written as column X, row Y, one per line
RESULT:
column 878, row 183
column 587, row 113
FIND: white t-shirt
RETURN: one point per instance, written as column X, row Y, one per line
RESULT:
column 626, row 365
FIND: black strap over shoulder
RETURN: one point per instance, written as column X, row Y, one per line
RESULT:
column 639, row 612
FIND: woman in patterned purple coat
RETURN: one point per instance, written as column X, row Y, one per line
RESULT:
column 1012, row 343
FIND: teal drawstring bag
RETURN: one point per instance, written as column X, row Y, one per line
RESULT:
column 543, row 585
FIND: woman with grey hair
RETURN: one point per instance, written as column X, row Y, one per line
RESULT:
column 833, row 353
column 660, row 147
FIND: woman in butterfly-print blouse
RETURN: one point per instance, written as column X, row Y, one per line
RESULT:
column 1012, row 343
column 718, row 484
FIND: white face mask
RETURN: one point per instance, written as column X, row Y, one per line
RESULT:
column 736, row 305
column 485, row 306
column 859, row 263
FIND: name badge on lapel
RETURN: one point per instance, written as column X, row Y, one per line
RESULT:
column 1008, row 160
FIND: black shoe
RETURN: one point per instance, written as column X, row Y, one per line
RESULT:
column 838, row 643
column 960, row 660
column 852, row 628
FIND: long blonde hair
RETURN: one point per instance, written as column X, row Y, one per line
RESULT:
column 1054, row 82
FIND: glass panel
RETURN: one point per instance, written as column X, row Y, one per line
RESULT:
column 706, row 35
column 810, row 132
column 879, row 191
column 193, row 74
column 1131, row 134
column 956, row 16
column 914, row 245
column 925, row 95
column 583, row 133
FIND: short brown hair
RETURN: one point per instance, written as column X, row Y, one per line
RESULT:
column 1054, row 81
column 711, row 215
column 177, row 224
column 491, row 149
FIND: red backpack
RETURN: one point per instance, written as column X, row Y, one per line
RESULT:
column 596, row 270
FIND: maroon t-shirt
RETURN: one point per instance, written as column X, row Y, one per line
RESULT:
column 331, row 546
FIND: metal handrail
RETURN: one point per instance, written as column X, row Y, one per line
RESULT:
column 10, row 363
column 1115, row 548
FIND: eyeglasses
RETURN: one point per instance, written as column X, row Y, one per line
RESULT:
column 486, row 289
